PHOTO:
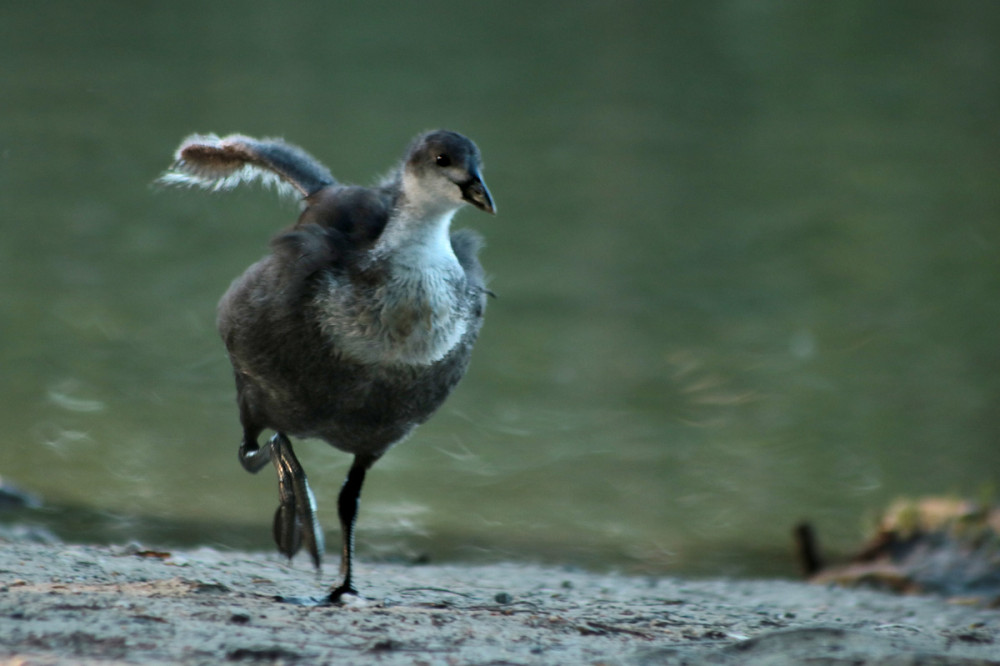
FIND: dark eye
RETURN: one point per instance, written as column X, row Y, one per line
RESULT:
column 443, row 160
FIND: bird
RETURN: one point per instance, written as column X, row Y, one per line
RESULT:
column 357, row 324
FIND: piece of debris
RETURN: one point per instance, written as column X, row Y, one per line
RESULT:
column 932, row 545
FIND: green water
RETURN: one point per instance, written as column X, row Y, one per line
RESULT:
column 746, row 258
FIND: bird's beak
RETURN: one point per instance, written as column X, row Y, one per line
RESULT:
column 475, row 192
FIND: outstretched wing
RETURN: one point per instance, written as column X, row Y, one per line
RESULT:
column 205, row 160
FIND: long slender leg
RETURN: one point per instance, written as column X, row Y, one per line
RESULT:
column 295, row 520
column 347, row 509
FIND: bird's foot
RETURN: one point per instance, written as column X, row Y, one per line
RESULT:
column 295, row 522
column 308, row 602
column 337, row 595
column 252, row 457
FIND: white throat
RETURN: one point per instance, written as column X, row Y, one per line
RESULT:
column 417, row 242
column 420, row 227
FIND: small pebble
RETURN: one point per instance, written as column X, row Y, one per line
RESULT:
column 503, row 598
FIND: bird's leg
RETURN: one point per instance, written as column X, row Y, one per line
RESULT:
column 347, row 509
column 295, row 520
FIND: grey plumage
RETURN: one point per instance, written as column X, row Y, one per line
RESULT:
column 359, row 322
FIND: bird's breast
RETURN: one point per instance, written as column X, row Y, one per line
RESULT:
column 412, row 316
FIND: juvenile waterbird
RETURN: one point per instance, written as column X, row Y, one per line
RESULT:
column 361, row 319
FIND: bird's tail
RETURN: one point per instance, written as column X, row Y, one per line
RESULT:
column 205, row 160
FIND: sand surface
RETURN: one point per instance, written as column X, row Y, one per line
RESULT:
column 67, row 604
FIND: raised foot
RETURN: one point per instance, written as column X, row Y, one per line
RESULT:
column 252, row 457
column 295, row 522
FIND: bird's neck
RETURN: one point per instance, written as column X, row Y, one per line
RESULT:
column 417, row 239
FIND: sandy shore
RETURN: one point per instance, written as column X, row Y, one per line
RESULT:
column 63, row 604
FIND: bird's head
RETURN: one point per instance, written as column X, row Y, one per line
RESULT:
column 444, row 167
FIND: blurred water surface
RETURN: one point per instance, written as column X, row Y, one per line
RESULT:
column 746, row 260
